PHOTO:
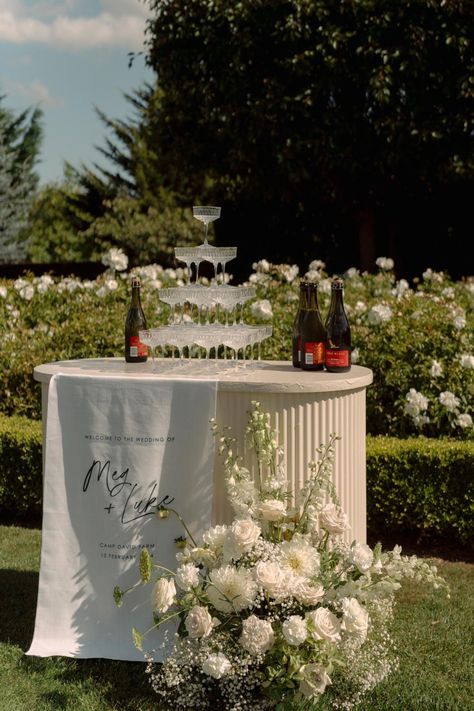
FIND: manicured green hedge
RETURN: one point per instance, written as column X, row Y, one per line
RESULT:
column 415, row 484
column 20, row 465
column 421, row 484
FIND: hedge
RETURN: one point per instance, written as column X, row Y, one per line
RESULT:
column 421, row 485
column 413, row 485
column 20, row 465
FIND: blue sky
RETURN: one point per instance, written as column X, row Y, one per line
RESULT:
column 68, row 56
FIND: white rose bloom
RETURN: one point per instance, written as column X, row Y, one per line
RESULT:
column 306, row 593
column 163, row 595
column 187, row 577
column 116, row 259
column 262, row 309
column 436, row 369
column 355, row 618
column 384, row 263
column 449, row 400
column 459, row 322
column 467, row 361
column 316, row 265
column 294, row 630
column 271, row 577
column 3, row 292
column 27, row 292
column 379, row 314
column 401, row 287
column 216, row 665
column 362, row 556
column 333, row 519
column 313, row 275
column 272, row 509
column 325, row 286
column 415, row 403
column 261, row 266
column 448, row 292
column 355, row 356
column 242, row 536
column 199, row 622
column 18, row 284
column 323, row 624
column 257, row 635
column 231, row 589
column 111, row 284
column 314, row 681
column 299, row 557
column 351, row 273
column 464, row 420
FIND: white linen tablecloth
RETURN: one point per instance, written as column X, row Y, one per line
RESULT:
column 115, row 451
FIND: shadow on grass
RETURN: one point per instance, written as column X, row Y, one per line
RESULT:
column 122, row 685
column 18, row 593
column 424, row 546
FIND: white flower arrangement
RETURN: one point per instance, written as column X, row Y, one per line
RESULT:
column 276, row 609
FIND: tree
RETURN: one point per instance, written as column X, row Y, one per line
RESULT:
column 315, row 117
column 20, row 138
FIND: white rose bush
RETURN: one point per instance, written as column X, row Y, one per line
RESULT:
column 276, row 610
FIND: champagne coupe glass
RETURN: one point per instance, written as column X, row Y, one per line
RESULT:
column 206, row 214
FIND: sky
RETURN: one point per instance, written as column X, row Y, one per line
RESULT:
column 69, row 56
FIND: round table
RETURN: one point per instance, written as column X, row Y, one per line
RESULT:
column 305, row 408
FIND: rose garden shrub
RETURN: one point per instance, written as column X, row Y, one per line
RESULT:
column 418, row 340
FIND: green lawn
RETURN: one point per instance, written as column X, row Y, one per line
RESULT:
column 435, row 637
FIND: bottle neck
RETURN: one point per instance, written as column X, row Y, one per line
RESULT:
column 136, row 296
column 313, row 299
column 303, row 304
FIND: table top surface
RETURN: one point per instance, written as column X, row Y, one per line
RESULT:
column 264, row 376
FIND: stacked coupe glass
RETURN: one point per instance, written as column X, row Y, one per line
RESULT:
column 215, row 313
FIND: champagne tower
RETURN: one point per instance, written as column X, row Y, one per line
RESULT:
column 215, row 313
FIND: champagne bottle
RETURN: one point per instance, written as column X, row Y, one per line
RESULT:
column 313, row 333
column 135, row 351
column 338, row 344
column 296, row 337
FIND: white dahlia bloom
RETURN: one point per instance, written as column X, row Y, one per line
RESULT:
column 231, row 589
column 187, row 577
column 299, row 557
column 215, row 537
column 257, row 635
column 294, row 630
column 323, row 624
column 216, row 665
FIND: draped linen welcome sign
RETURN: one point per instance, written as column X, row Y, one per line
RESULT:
column 116, row 450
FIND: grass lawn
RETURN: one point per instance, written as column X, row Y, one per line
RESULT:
column 435, row 638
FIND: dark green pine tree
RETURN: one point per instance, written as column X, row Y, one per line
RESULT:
column 20, row 139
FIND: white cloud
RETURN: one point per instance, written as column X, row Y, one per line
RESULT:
column 34, row 92
column 121, row 23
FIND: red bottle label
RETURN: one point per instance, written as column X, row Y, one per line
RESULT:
column 337, row 359
column 137, row 348
column 314, row 353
